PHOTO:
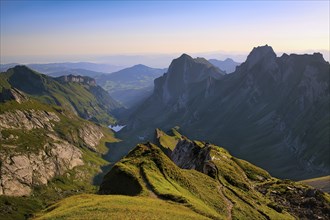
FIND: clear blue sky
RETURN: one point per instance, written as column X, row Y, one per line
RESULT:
column 77, row 28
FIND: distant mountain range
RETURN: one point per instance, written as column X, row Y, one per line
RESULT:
column 228, row 65
column 76, row 72
column 130, row 85
column 79, row 94
column 59, row 69
column 273, row 111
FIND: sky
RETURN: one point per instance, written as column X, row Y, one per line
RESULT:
column 50, row 31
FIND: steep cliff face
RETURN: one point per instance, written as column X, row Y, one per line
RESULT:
column 174, row 86
column 270, row 109
column 34, row 147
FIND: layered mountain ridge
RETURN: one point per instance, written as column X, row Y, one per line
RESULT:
column 273, row 111
column 228, row 65
column 130, row 85
column 79, row 94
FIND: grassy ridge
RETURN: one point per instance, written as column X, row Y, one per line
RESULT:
column 152, row 172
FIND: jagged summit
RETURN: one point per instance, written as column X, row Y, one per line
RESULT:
column 185, row 56
column 307, row 58
column 182, row 74
column 259, row 54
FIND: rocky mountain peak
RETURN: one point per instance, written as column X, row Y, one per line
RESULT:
column 185, row 56
column 259, row 54
column 318, row 56
column 183, row 72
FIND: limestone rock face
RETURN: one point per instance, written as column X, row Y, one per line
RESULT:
column 20, row 172
column 28, row 119
column 188, row 155
column 12, row 94
column 91, row 135
column 22, row 169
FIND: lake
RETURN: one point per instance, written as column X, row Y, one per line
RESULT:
column 116, row 128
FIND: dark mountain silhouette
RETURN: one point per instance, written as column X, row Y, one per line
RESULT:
column 272, row 111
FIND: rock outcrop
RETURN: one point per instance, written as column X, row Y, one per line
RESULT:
column 78, row 79
column 19, row 172
column 91, row 136
column 189, row 155
column 12, row 94
column 28, row 119
column 23, row 167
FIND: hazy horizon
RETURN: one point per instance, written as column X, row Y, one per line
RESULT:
column 153, row 33
column 151, row 60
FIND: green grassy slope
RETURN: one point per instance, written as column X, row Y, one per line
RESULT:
column 117, row 207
